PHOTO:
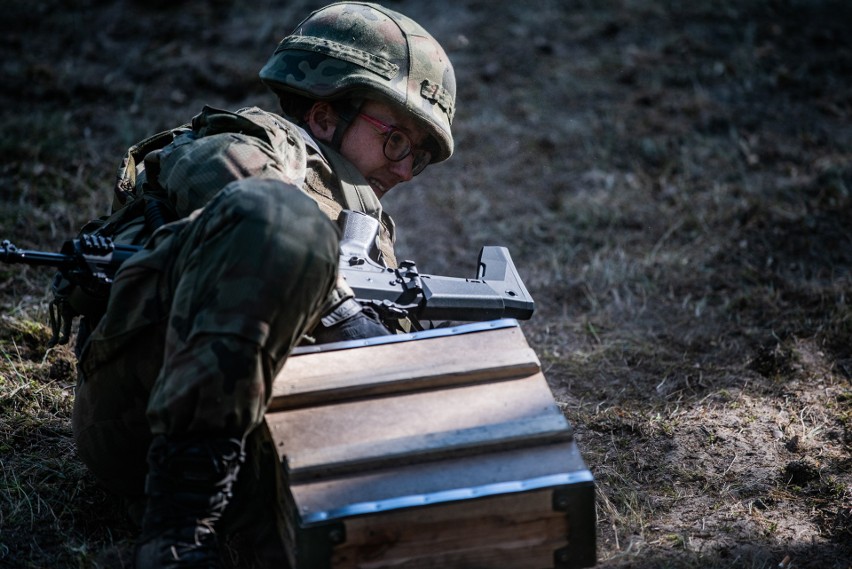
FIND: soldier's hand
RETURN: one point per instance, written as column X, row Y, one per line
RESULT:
column 358, row 323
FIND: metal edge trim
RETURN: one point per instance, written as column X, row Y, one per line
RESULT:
column 455, row 495
column 395, row 338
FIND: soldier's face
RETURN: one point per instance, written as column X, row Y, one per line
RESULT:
column 363, row 145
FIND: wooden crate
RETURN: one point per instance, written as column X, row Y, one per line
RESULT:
column 436, row 449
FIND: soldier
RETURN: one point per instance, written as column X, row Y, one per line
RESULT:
column 176, row 375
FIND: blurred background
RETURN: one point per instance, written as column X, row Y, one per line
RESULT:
column 672, row 180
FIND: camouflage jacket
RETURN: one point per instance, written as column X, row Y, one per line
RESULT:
column 177, row 171
column 170, row 175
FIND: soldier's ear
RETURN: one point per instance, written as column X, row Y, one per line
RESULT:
column 322, row 120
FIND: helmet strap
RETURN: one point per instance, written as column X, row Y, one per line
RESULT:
column 346, row 112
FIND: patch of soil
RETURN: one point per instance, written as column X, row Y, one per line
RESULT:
column 672, row 179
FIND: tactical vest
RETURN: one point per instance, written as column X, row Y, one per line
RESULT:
column 139, row 206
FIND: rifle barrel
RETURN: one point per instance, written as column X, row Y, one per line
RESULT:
column 11, row 254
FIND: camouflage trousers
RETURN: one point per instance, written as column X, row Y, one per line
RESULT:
column 198, row 325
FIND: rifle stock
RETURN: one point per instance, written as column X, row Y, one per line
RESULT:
column 496, row 292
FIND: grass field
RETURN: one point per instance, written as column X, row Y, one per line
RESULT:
column 673, row 181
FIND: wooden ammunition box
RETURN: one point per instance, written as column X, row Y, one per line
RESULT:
column 442, row 448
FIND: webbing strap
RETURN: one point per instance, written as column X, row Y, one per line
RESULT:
column 125, row 185
column 357, row 195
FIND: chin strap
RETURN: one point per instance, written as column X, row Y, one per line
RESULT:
column 346, row 113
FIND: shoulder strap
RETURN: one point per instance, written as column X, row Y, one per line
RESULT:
column 212, row 121
column 125, row 184
column 357, row 194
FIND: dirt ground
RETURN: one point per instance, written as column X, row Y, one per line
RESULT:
column 672, row 179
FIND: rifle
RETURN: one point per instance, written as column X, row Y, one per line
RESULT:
column 496, row 292
column 89, row 264
column 90, row 261
column 86, row 268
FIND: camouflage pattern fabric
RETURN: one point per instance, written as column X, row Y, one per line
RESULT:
column 357, row 48
column 225, row 146
column 190, row 170
column 199, row 324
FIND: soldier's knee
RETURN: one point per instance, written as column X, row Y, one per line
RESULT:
column 262, row 198
column 270, row 208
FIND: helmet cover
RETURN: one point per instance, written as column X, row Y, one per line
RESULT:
column 358, row 49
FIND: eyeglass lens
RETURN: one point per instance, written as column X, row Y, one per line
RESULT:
column 398, row 146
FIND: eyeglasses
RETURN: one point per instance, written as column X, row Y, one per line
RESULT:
column 398, row 145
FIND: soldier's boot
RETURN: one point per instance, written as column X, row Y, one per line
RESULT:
column 188, row 486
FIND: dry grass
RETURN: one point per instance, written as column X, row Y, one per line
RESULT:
column 51, row 512
column 674, row 182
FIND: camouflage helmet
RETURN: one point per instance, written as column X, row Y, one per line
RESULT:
column 356, row 49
